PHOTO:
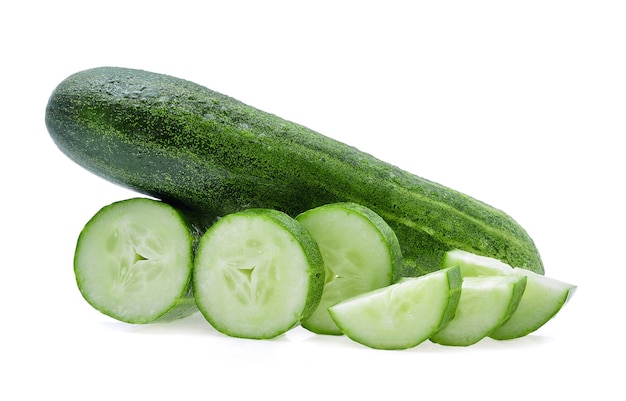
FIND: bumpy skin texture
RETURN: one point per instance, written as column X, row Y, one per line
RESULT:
column 204, row 151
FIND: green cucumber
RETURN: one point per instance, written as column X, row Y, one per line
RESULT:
column 360, row 252
column 133, row 262
column 207, row 152
column 401, row 315
column 257, row 274
column 486, row 303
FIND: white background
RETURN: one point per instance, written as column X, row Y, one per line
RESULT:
column 519, row 104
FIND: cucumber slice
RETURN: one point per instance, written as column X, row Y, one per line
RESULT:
column 486, row 303
column 257, row 274
column 133, row 262
column 360, row 252
column 473, row 265
column 543, row 299
column 543, row 296
column 401, row 315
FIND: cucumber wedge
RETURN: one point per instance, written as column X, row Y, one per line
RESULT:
column 542, row 300
column 257, row 274
column 473, row 265
column 133, row 262
column 360, row 252
column 401, row 315
column 486, row 303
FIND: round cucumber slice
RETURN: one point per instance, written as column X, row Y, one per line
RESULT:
column 486, row 303
column 360, row 252
column 401, row 315
column 133, row 262
column 257, row 274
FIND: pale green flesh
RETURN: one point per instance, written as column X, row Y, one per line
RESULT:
column 133, row 261
column 251, row 277
column 356, row 255
column 486, row 303
column 473, row 265
column 401, row 315
column 542, row 299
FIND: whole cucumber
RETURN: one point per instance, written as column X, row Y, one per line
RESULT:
column 209, row 153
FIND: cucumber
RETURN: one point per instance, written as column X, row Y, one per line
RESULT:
column 402, row 315
column 257, row 274
column 486, row 303
column 543, row 298
column 133, row 262
column 203, row 151
column 360, row 252
column 473, row 265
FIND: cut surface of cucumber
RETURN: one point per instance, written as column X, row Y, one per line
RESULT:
column 133, row 262
column 257, row 274
column 360, row 253
column 486, row 303
column 473, row 265
column 401, row 315
column 542, row 300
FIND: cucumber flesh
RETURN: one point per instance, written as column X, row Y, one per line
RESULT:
column 473, row 265
column 542, row 300
column 257, row 274
column 360, row 252
column 133, row 262
column 486, row 303
column 401, row 315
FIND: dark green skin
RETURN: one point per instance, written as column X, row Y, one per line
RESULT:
column 213, row 155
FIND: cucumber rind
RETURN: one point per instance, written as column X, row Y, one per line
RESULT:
column 241, row 292
column 360, row 251
column 154, row 284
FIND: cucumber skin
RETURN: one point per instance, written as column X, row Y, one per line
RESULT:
column 206, row 152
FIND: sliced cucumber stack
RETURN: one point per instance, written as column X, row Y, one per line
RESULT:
column 401, row 315
column 257, row 274
column 133, row 262
column 485, row 304
column 360, row 252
